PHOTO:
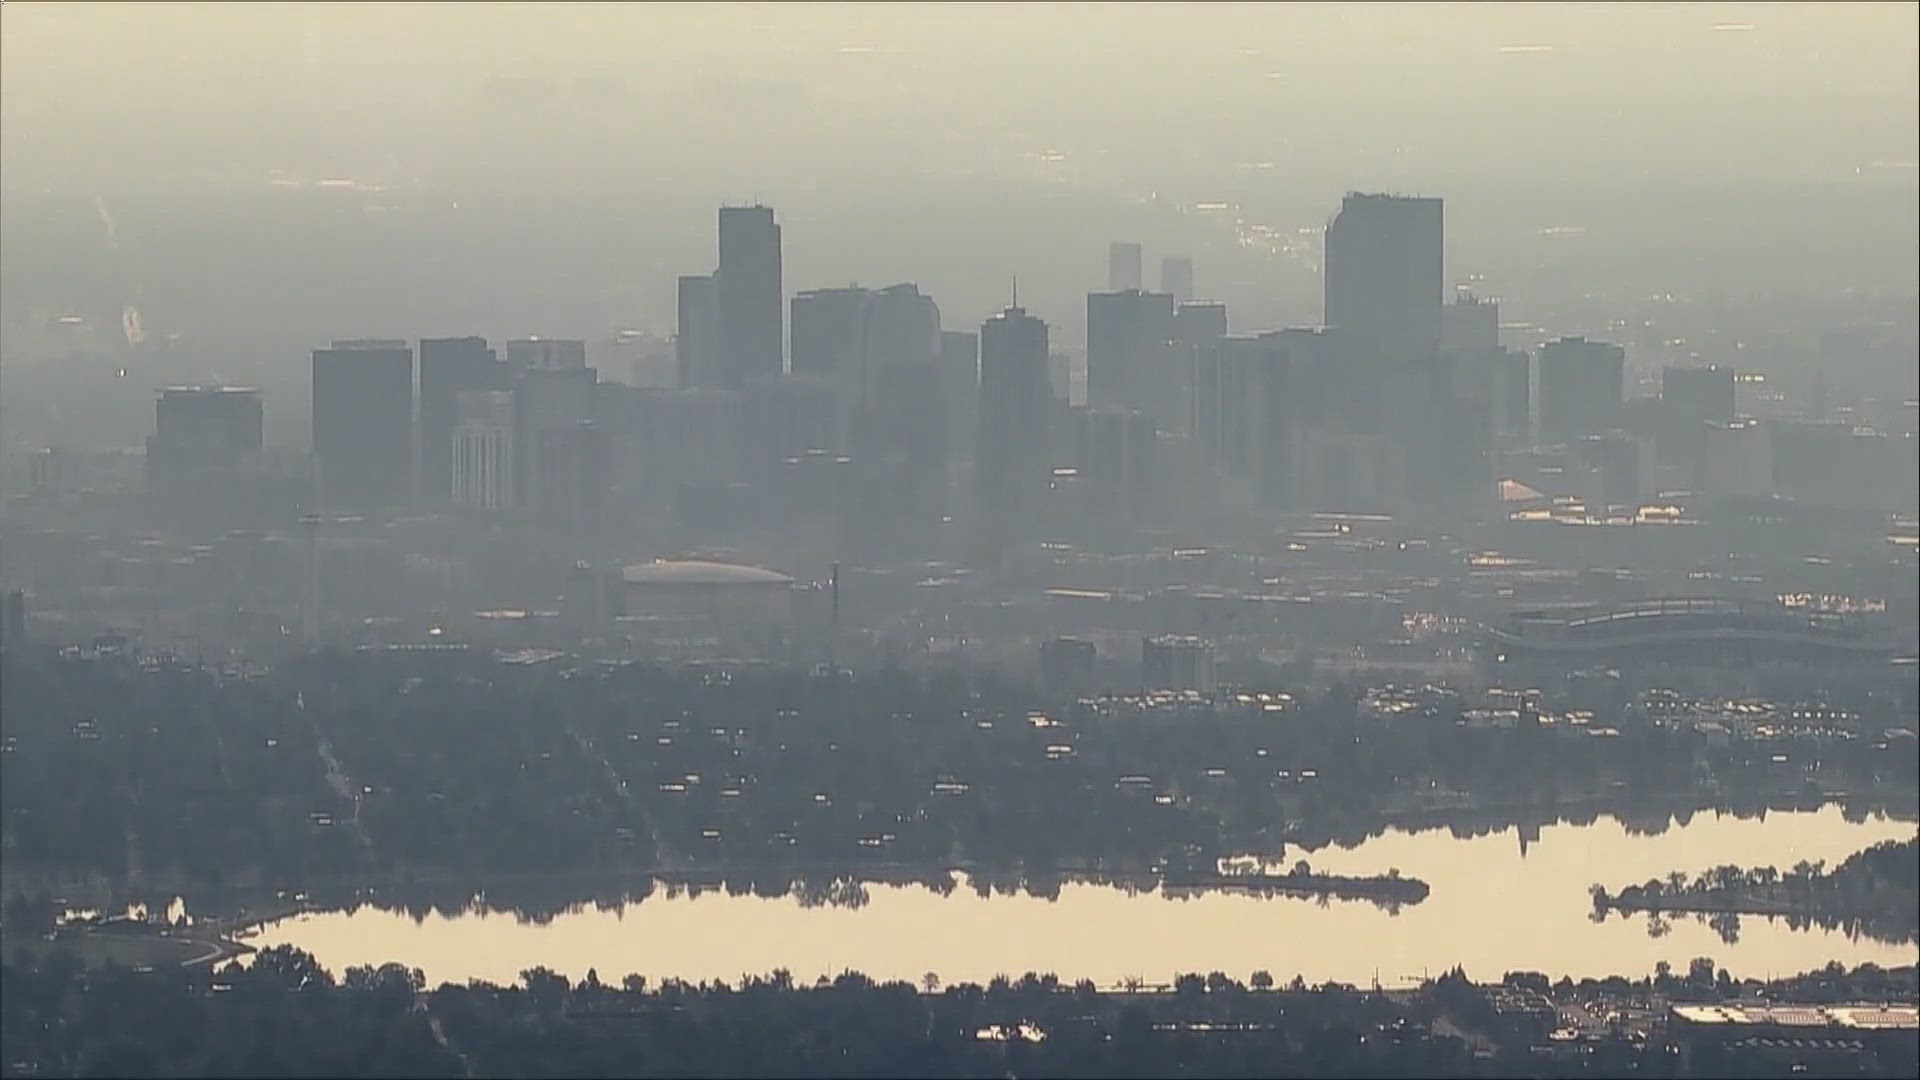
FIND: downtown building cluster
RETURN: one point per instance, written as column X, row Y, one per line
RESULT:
column 857, row 406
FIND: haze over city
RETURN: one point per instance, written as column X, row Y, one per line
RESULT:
column 1030, row 539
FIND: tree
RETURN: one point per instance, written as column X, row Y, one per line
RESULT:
column 930, row 983
column 1263, row 980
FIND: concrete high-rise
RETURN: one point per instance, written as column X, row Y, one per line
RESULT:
column 1176, row 277
column 449, row 366
column 363, row 424
column 1123, row 267
column 1698, row 395
column 1581, row 384
column 200, row 435
column 827, row 329
column 696, row 344
column 547, row 399
column 1385, row 259
column 1690, row 399
column 481, row 451
column 1015, row 404
column 960, row 390
column 749, row 301
column 546, row 354
column 1130, row 359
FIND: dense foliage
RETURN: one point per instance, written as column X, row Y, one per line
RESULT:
column 284, row 1016
column 1876, row 891
column 345, row 766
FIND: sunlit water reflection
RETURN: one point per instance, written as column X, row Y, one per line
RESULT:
column 1492, row 909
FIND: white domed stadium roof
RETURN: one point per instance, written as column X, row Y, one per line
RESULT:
column 694, row 572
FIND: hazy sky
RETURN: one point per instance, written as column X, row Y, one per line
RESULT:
column 1393, row 92
column 550, row 168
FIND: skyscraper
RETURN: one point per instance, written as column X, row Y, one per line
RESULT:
column 827, row 331
column 1123, row 267
column 481, row 450
column 1698, row 394
column 695, row 344
column 1176, row 277
column 1130, row 361
column 363, row 424
column 546, row 354
column 1581, row 383
column 1384, row 272
column 200, row 436
column 547, row 399
column 752, row 324
column 1690, row 399
column 1010, row 461
column 447, row 367
column 960, row 389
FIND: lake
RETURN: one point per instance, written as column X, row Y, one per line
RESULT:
column 1492, row 909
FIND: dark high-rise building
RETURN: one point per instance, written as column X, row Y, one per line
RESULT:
column 1130, row 359
column 447, row 367
column 752, row 332
column 827, row 331
column 1469, row 326
column 696, row 342
column 960, row 390
column 547, row 399
column 1384, row 272
column 199, row 433
column 546, row 354
column 1015, row 403
column 1515, row 418
column 1581, row 383
column 1176, row 277
column 1199, row 322
column 1123, row 267
column 853, row 335
column 363, row 424
column 1611, row 461
column 1690, row 399
column 1698, row 394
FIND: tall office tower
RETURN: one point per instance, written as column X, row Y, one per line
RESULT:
column 546, row 354
column 1581, row 383
column 852, row 335
column 1118, row 455
column 696, row 341
column 1616, row 481
column 1130, row 359
column 200, row 434
column 447, row 367
column 1199, row 322
column 827, row 331
column 1196, row 325
column 1738, row 461
column 960, row 390
column 569, row 470
column 1384, row 272
column 1010, row 460
column 903, row 327
column 752, row 324
column 1469, row 326
column 1514, row 416
column 1123, row 267
column 1176, row 277
column 480, row 450
column 1243, row 418
column 546, row 399
column 363, row 424
column 1690, row 399
column 1171, row 662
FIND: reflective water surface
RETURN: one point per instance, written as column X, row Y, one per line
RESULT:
column 1493, row 909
